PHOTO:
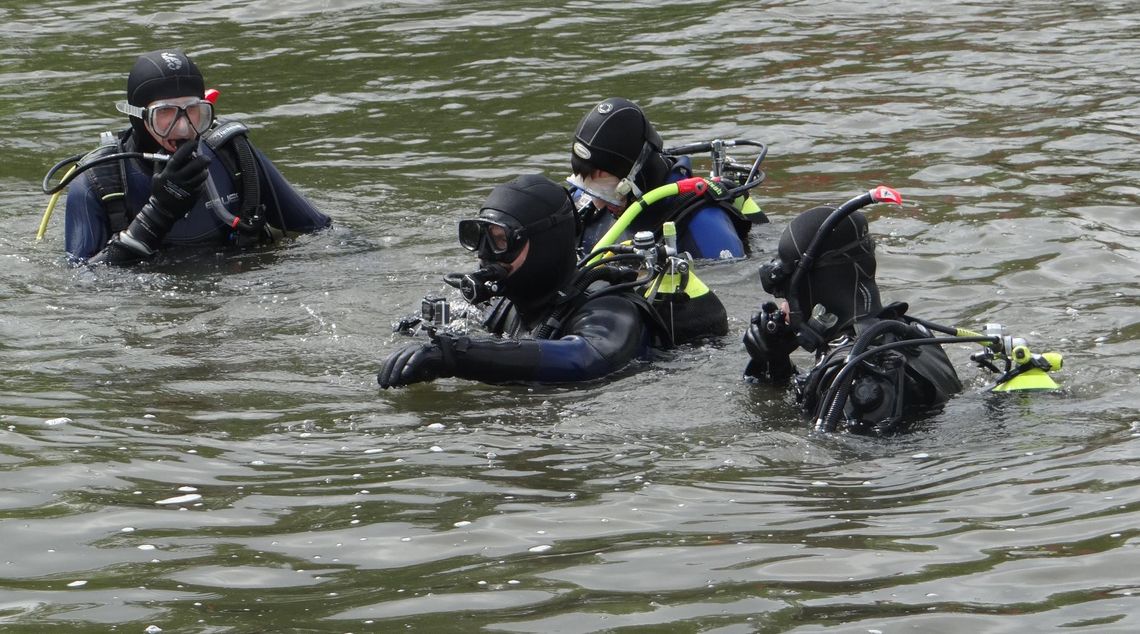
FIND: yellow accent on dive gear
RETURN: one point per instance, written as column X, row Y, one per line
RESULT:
column 745, row 205
column 51, row 206
column 1032, row 379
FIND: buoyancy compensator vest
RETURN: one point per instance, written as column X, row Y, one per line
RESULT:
column 229, row 142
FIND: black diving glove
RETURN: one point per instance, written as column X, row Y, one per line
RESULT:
column 770, row 342
column 417, row 363
column 174, row 192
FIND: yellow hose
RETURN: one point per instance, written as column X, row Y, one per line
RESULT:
column 51, row 207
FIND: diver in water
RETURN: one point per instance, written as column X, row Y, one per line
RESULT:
column 833, row 309
column 617, row 156
column 558, row 324
column 201, row 181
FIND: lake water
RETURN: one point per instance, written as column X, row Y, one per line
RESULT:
column 675, row 498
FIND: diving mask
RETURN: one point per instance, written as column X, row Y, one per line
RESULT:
column 774, row 277
column 163, row 117
column 489, row 236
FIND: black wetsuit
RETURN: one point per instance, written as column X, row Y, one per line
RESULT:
column 599, row 337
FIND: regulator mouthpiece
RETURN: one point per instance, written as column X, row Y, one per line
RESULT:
column 483, row 284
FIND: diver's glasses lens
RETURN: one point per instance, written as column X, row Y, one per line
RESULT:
column 164, row 117
column 500, row 238
column 602, row 190
column 470, row 233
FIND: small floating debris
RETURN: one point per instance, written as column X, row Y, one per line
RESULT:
column 77, row 584
column 920, row 456
column 62, row 420
column 462, row 523
column 180, row 499
column 436, row 426
column 541, row 548
column 187, row 489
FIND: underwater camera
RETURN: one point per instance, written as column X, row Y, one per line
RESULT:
column 435, row 311
column 435, row 314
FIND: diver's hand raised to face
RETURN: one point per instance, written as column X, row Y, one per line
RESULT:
column 174, row 192
column 179, row 185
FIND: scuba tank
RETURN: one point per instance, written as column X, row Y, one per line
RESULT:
column 730, row 182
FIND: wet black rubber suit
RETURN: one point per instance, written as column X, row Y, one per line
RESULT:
column 890, row 387
column 586, row 336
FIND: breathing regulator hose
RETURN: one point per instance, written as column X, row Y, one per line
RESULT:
column 78, row 166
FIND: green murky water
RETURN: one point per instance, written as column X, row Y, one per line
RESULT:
column 673, row 499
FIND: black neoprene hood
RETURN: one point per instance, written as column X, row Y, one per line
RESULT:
column 612, row 134
column 842, row 277
column 543, row 209
column 164, row 74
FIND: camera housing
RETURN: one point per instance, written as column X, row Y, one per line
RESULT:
column 435, row 311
